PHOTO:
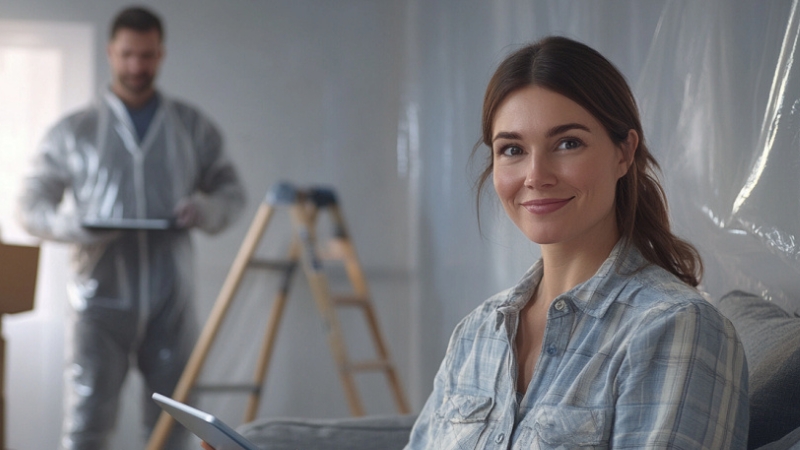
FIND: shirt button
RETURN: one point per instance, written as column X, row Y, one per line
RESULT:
column 561, row 305
column 552, row 350
column 499, row 438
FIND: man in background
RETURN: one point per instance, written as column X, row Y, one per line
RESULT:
column 138, row 155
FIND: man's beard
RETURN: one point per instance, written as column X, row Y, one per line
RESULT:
column 137, row 84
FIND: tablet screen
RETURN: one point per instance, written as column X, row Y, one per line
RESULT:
column 204, row 425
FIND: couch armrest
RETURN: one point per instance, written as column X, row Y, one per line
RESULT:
column 352, row 433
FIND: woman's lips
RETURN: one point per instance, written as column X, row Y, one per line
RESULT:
column 546, row 205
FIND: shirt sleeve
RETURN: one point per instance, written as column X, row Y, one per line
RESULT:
column 38, row 206
column 684, row 383
column 220, row 194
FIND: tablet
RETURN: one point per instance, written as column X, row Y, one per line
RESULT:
column 204, row 425
column 127, row 224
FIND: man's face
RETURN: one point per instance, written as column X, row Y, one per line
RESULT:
column 134, row 57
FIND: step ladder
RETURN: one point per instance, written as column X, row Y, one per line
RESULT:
column 304, row 207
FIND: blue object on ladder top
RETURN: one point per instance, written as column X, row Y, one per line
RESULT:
column 281, row 193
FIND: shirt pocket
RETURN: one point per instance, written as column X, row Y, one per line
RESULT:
column 462, row 419
column 557, row 427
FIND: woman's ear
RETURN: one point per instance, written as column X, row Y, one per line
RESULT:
column 628, row 151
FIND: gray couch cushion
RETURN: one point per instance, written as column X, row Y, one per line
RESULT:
column 789, row 442
column 771, row 340
column 352, row 433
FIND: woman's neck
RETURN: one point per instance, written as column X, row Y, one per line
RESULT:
column 566, row 265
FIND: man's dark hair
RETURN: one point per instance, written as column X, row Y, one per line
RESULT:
column 138, row 19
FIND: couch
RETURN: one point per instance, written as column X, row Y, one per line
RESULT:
column 771, row 339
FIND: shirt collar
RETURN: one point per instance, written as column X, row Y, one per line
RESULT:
column 593, row 296
column 118, row 105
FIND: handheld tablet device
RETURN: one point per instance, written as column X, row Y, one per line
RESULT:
column 127, row 224
column 204, row 425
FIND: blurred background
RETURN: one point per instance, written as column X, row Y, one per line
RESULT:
column 381, row 99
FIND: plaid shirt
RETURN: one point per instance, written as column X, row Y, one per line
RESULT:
column 631, row 358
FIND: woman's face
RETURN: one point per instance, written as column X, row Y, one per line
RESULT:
column 556, row 169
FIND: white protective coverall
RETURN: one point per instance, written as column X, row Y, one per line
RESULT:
column 131, row 291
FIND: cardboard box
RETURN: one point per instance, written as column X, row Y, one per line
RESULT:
column 19, row 265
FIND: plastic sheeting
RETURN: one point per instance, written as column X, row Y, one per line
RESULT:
column 719, row 95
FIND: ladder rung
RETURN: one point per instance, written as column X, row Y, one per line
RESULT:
column 349, row 300
column 369, row 366
column 272, row 264
column 227, row 387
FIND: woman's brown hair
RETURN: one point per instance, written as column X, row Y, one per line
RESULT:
column 583, row 75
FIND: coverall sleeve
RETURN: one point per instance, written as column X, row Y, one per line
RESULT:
column 684, row 384
column 42, row 191
column 219, row 195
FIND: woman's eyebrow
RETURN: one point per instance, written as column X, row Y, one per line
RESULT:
column 506, row 135
column 556, row 130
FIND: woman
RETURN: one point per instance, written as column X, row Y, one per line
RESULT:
column 605, row 342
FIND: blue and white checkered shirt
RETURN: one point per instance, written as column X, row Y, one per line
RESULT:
column 631, row 358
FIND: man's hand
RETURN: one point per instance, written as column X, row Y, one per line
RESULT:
column 188, row 213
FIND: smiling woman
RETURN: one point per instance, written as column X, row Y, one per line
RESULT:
column 604, row 342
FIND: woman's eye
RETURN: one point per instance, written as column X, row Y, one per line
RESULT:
column 510, row 150
column 569, row 144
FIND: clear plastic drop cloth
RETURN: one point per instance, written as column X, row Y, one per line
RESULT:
column 719, row 96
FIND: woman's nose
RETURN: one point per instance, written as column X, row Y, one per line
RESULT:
column 539, row 173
